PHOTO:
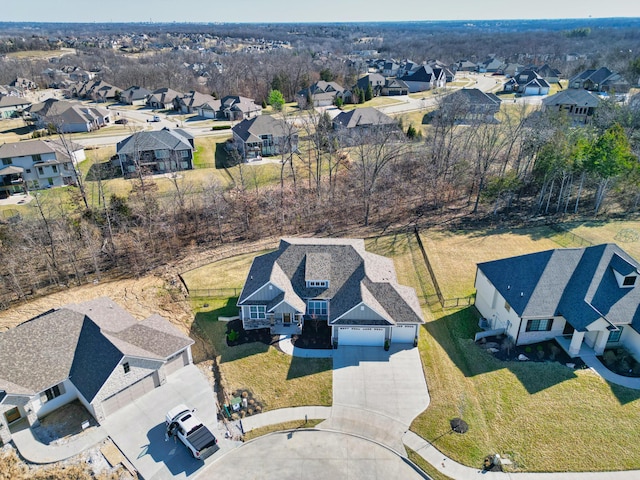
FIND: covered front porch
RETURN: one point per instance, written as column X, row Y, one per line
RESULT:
column 579, row 344
column 285, row 323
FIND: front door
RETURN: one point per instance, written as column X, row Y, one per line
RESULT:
column 286, row 318
column 12, row 415
column 568, row 329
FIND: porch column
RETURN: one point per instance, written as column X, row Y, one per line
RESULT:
column 576, row 343
column 601, row 342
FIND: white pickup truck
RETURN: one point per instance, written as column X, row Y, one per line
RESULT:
column 181, row 422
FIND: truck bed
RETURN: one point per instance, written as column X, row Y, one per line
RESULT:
column 202, row 438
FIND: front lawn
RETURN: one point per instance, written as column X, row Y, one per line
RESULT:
column 275, row 380
column 544, row 416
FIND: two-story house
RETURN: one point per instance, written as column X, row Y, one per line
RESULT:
column 160, row 151
column 264, row 136
column 579, row 105
column 37, row 164
column 334, row 280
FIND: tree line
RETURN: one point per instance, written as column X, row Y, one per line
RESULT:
column 463, row 169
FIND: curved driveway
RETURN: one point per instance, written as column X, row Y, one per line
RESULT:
column 312, row 455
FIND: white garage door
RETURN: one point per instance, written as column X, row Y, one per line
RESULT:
column 362, row 336
column 176, row 362
column 129, row 394
column 403, row 334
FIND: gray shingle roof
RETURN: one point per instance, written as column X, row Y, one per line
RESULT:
column 355, row 277
column 251, row 129
column 578, row 284
column 573, row 96
column 155, row 140
column 24, row 149
column 83, row 342
column 362, row 117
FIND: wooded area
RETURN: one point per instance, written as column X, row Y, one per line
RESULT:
column 462, row 172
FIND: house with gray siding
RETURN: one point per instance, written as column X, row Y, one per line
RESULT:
column 263, row 136
column 94, row 352
column 333, row 280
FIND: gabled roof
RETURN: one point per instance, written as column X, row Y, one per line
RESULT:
column 474, row 97
column 164, row 95
column 25, row 149
column 81, row 342
column 355, row 277
column 13, row 101
column 164, row 139
column 576, row 283
column 573, row 96
column 249, row 130
column 423, row 74
column 362, row 117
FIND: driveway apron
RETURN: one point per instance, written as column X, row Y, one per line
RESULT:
column 377, row 393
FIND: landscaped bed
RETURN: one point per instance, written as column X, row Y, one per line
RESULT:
column 316, row 334
column 502, row 348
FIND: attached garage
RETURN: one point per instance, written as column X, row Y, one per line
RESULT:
column 403, row 334
column 129, row 394
column 361, row 336
column 176, row 362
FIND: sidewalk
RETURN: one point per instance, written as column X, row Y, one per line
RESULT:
column 287, row 347
column 282, row 415
column 34, row 451
column 596, row 365
column 461, row 472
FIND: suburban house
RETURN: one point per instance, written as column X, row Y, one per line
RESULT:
column 231, row 107
column 158, row 151
column 466, row 66
column 37, row 164
column 264, row 136
column 135, row 95
column 190, row 102
column 551, row 75
column 581, row 297
column 322, row 94
column 334, row 280
column 526, row 83
column 380, row 85
column 24, row 84
column 579, row 105
column 68, row 117
column 363, row 118
column 425, row 78
column 162, row 99
column 11, row 105
column 95, row 352
column 96, row 90
column 600, row 80
column 468, row 105
column 491, row 65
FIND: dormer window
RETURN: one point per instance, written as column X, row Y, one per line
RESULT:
column 629, row 281
column 625, row 272
column 317, row 283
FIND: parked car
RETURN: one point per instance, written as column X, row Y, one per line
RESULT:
column 122, row 121
column 181, row 422
column 155, row 118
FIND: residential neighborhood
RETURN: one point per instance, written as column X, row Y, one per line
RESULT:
column 309, row 249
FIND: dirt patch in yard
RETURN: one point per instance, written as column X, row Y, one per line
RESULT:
column 63, row 424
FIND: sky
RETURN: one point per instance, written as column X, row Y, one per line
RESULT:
column 251, row 11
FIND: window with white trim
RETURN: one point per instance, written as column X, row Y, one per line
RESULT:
column 257, row 312
column 614, row 336
column 317, row 307
column 126, row 367
column 539, row 325
column 317, row 283
column 51, row 393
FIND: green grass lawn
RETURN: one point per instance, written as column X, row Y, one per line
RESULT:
column 537, row 414
column 228, row 273
column 275, row 379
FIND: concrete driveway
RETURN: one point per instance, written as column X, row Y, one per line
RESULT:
column 377, row 394
column 139, row 431
column 312, row 455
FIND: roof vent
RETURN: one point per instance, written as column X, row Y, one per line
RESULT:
column 522, row 294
